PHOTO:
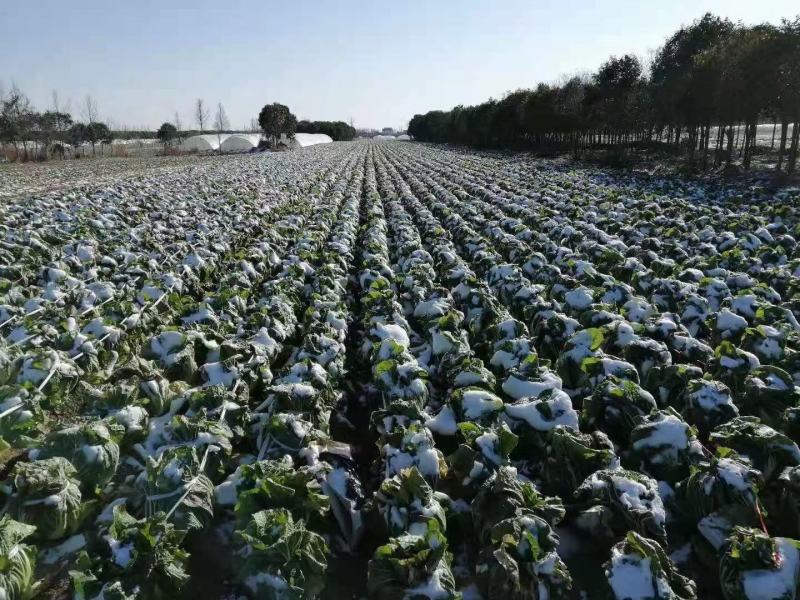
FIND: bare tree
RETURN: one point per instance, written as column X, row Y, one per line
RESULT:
column 60, row 120
column 221, row 123
column 201, row 114
column 17, row 118
column 178, row 126
column 89, row 109
column 96, row 131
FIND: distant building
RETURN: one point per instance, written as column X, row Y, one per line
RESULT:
column 387, row 131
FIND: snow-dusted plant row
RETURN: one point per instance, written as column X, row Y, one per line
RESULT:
column 399, row 372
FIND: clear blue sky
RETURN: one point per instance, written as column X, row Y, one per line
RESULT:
column 377, row 62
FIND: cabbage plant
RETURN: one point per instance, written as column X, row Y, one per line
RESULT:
column 18, row 560
column 413, row 566
column 277, row 557
column 92, row 449
column 47, row 495
column 640, row 568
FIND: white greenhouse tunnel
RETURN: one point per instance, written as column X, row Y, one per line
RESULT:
column 241, row 142
column 204, row 143
column 392, row 138
column 302, row 140
column 245, row 142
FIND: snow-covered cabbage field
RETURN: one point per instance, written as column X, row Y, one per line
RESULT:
column 22, row 180
column 399, row 372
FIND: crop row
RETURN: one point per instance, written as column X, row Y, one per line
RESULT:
column 446, row 374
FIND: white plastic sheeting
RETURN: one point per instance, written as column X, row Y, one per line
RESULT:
column 241, row 142
column 302, row 140
column 384, row 138
column 244, row 142
column 205, row 142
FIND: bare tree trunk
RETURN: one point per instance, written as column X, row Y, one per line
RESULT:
column 744, row 141
column 745, row 154
column 791, row 163
column 701, row 140
column 749, row 141
column 754, row 138
column 698, row 137
column 722, row 130
column 731, row 145
column 772, row 144
column 782, row 146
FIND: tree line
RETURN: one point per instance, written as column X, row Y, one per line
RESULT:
column 40, row 134
column 706, row 91
column 339, row 131
column 274, row 121
column 53, row 132
column 277, row 119
column 170, row 133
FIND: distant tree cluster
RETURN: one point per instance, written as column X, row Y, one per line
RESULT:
column 367, row 132
column 34, row 135
column 39, row 135
column 276, row 119
column 710, row 81
column 338, row 131
column 133, row 134
column 167, row 134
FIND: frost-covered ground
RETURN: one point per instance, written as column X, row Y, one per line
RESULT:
column 392, row 370
column 19, row 180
